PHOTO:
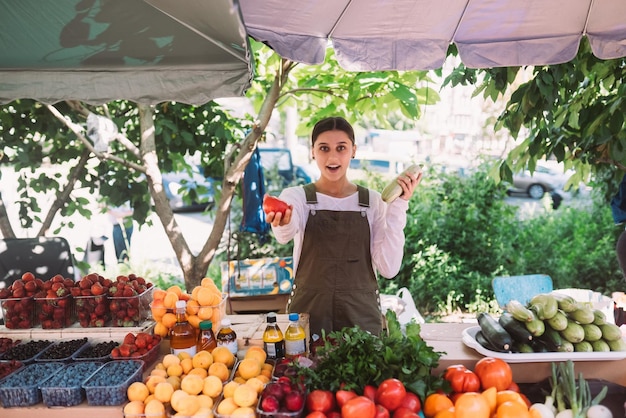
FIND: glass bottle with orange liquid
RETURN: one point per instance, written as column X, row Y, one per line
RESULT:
column 206, row 337
column 182, row 334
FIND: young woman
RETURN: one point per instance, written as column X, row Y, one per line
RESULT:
column 343, row 235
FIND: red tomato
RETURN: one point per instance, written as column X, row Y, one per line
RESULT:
column 494, row 372
column 514, row 387
column 453, row 368
column 370, row 392
column 334, row 414
column 411, row 401
column 359, row 407
column 403, row 412
column 343, row 396
column 462, row 380
column 273, row 204
column 382, row 412
column 390, row 394
column 316, row 414
column 525, row 399
column 320, row 400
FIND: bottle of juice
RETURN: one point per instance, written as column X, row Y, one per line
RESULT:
column 273, row 339
column 182, row 334
column 206, row 337
column 227, row 337
column 295, row 338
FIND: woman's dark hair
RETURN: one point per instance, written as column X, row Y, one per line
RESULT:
column 335, row 123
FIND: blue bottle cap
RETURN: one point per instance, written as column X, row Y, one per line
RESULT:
column 294, row 317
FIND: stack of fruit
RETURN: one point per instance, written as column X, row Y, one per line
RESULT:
column 142, row 346
column 18, row 301
column 550, row 322
column 91, row 302
column 129, row 300
column 206, row 302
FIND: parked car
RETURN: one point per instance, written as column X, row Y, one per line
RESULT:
column 279, row 169
column 545, row 179
column 179, row 185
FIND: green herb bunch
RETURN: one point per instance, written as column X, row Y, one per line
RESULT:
column 353, row 358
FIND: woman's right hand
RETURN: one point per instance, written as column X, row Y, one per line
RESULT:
column 277, row 218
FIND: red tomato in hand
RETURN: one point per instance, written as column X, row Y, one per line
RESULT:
column 320, row 400
column 462, row 380
column 343, row 396
column 412, row 402
column 273, row 204
column 390, row 394
column 359, row 407
column 494, row 372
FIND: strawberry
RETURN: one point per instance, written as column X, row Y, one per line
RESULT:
column 126, row 350
column 129, row 338
column 97, row 289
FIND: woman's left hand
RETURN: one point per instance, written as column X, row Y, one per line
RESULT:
column 409, row 182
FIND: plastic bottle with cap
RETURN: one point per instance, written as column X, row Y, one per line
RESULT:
column 295, row 338
column 227, row 337
column 206, row 337
column 182, row 334
column 273, row 339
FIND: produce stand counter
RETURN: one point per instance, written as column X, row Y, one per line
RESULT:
column 443, row 337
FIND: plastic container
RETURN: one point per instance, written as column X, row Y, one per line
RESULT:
column 22, row 387
column 148, row 358
column 27, row 352
column 18, row 313
column 64, row 388
column 87, row 354
column 69, row 347
column 9, row 366
column 55, row 313
column 218, row 415
column 6, row 343
column 218, row 312
column 295, row 338
column 130, row 311
column 92, row 311
column 108, row 385
column 279, row 414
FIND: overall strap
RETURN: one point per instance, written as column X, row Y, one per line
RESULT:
column 309, row 192
column 364, row 196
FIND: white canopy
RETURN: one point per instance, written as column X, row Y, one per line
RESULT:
column 193, row 51
column 147, row 51
column 370, row 35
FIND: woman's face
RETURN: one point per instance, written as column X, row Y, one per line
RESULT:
column 332, row 152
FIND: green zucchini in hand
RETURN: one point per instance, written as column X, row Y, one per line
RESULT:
column 494, row 332
column 515, row 328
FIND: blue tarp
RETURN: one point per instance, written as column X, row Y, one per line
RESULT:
column 253, row 189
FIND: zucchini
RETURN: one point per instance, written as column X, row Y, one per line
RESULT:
column 558, row 321
column 552, row 339
column 536, row 327
column 566, row 303
column 494, row 333
column 515, row 328
column 592, row 332
column 600, row 317
column 600, row 345
column 522, row 347
column 544, row 305
column 574, row 333
column 611, row 332
column 393, row 190
column 566, row 347
column 583, row 315
column 480, row 339
column 519, row 311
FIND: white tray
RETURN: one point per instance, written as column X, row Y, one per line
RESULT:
column 469, row 339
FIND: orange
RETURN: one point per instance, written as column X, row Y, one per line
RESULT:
column 160, row 329
column 491, row 396
column 170, row 299
column 257, row 353
column 170, row 359
column 256, row 384
column 192, row 384
column 213, row 386
column 263, row 378
column 175, row 289
column 205, row 401
column 177, row 397
column 137, row 391
column 133, row 409
column 192, row 307
column 194, row 293
column 249, row 367
column 188, row 405
column 226, row 406
column 220, row 370
column 508, row 395
column 158, row 310
column 245, row 395
column 471, row 405
column 205, row 296
column 175, row 370
column 174, row 381
column 446, row 413
column 153, row 381
column 512, row 409
column 168, row 319
column 229, row 388
column 436, row 402
column 199, row 372
column 158, row 294
column 163, row 391
column 194, row 320
column 223, row 355
column 205, row 312
column 187, row 365
column 208, row 282
column 202, row 359
column 244, row 412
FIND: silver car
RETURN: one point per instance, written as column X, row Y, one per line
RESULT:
column 543, row 180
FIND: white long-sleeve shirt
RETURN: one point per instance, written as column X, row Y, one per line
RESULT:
column 386, row 221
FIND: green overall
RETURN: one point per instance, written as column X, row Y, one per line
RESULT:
column 335, row 282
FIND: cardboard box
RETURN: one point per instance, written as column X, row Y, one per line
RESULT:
column 257, row 304
column 257, row 277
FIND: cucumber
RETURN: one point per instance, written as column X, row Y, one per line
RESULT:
column 611, row 332
column 558, row 321
column 600, row 345
column 583, row 315
column 566, row 347
column 583, row 346
column 544, row 305
column 515, row 328
column 617, row 345
column 599, row 317
column 519, row 311
column 592, row 332
column 519, row 347
column 536, row 327
column 480, row 339
column 574, row 333
column 494, row 333
column 552, row 339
